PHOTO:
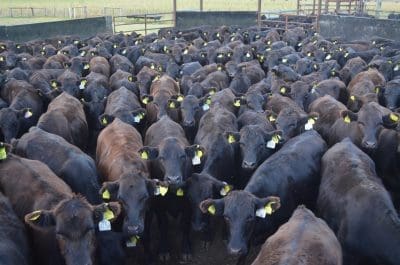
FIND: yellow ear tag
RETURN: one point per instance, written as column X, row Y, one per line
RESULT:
column 231, row 139
column 179, row 192
column 211, row 209
column 144, row 155
column 268, row 208
column 35, row 215
column 3, row 153
column 376, row 90
column 394, row 117
column 1, row 58
column 271, row 118
column 172, row 105
column 311, row 121
column 152, row 66
column 276, row 138
column 225, row 190
column 104, row 121
column 236, row 103
column 86, row 66
column 132, row 242
column 283, row 90
column 179, row 98
column 54, row 84
column 185, row 51
column 199, row 153
column 145, row 100
column 108, row 215
column 106, row 195
column 353, row 98
column 347, row 119
column 163, row 190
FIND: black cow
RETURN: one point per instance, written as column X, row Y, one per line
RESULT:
column 292, row 174
column 351, row 191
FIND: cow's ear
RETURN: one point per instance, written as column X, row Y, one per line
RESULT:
column 222, row 188
column 178, row 97
column 196, row 153
column 82, row 84
column 138, row 115
column 156, row 187
column 40, row 220
column 232, row 137
column 5, row 149
column 210, row 91
column 348, row 116
column 146, row 99
column 391, row 120
column 25, row 113
column 266, row 206
column 108, row 211
column 106, row 119
column 285, row 90
column 310, row 120
column 212, row 207
column 239, row 101
column 109, row 190
column 205, row 103
column 272, row 139
column 271, row 116
column 173, row 103
column 148, row 153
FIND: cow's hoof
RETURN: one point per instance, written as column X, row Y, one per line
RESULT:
column 164, row 257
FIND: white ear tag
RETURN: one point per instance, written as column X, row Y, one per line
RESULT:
column 28, row 114
column 271, row 144
column 104, row 225
column 206, row 107
column 261, row 212
column 309, row 124
column 196, row 160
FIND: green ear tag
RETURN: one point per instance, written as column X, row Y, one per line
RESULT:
column 394, row 117
column 163, row 190
column 108, row 215
column 211, row 209
column 3, row 153
column 144, row 155
column 231, row 139
column 179, row 192
column 104, row 121
column 347, row 119
column 35, row 215
column 106, row 195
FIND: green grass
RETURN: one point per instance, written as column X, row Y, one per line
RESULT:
column 59, row 9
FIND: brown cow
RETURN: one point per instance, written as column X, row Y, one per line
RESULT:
column 65, row 117
column 63, row 223
column 126, row 173
column 100, row 65
column 304, row 239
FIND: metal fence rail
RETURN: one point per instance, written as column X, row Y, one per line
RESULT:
column 143, row 22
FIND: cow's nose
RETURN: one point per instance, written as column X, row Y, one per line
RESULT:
column 133, row 229
column 188, row 123
column 248, row 164
column 235, row 251
column 174, row 179
column 369, row 144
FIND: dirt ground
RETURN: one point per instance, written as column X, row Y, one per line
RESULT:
column 216, row 254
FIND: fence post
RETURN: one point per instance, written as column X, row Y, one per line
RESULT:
column 145, row 24
column 298, row 7
column 259, row 14
column 174, row 10
column 85, row 9
column 201, row 5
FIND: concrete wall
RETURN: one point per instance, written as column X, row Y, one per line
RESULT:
column 359, row 28
column 189, row 19
column 80, row 27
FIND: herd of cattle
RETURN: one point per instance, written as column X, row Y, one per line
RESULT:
column 106, row 140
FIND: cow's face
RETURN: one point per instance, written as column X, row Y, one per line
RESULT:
column 74, row 222
column 10, row 120
column 240, row 210
column 255, row 143
column 134, row 191
column 391, row 95
column 190, row 111
column 200, row 187
column 173, row 159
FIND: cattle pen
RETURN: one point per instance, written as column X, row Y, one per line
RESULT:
column 220, row 132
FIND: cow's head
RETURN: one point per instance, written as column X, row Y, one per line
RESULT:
column 240, row 210
column 74, row 221
column 256, row 144
column 200, row 187
column 173, row 158
column 10, row 122
column 134, row 191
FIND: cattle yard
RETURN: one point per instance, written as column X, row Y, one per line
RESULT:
column 253, row 132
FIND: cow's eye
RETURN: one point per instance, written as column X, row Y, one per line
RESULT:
column 227, row 219
column 249, row 219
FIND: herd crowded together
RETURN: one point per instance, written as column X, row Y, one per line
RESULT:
column 291, row 138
